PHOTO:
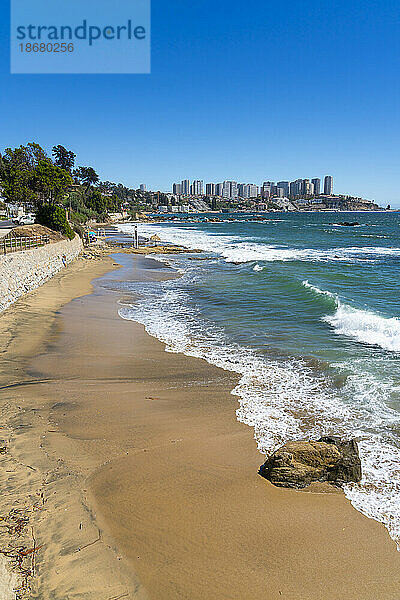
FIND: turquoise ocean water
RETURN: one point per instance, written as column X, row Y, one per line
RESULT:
column 308, row 313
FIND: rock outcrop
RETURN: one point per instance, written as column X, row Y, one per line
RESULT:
column 297, row 464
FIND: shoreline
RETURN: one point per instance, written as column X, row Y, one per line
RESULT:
column 137, row 423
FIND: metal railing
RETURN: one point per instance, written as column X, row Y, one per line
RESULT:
column 18, row 244
column 107, row 233
column 116, row 236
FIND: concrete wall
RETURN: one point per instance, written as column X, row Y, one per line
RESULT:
column 22, row 272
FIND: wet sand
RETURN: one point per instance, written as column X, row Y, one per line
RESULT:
column 150, row 484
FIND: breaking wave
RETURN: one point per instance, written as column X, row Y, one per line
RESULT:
column 361, row 325
column 238, row 250
column 319, row 292
column 366, row 327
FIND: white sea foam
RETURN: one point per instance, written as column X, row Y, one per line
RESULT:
column 286, row 400
column 366, row 327
column 347, row 226
column 361, row 325
column 238, row 250
column 257, row 267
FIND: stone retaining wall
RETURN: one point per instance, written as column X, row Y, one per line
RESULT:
column 22, row 272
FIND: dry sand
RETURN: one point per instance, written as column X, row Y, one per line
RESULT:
column 41, row 498
column 145, row 484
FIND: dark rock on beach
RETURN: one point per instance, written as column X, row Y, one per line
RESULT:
column 297, row 464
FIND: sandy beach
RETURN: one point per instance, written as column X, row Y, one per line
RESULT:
column 135, row 477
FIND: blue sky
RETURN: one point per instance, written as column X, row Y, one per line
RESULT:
column 246, row 91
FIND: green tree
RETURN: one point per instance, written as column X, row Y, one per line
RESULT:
column 96, row 202
column 27, row 174
column 50, row 182
column 17, row 172
column 55, row 218
column 64, row 158
column 87, row 176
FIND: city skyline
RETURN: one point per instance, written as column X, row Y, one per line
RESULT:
column 268, row 189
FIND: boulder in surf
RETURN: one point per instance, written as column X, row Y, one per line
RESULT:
column 298, row 464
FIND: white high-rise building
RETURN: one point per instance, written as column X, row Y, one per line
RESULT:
column 284, row 185
column 254, row 190
column 317, row 186
column 298, row 187
column 247, row 190
column 266, row 190
column 197, row 187
column 185, row 187
column 306, row 187
column 230, row 189
column 226, row 189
